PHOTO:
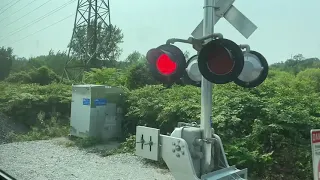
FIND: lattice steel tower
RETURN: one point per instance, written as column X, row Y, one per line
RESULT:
column 92, row 18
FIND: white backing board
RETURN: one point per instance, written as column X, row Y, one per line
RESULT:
column 144, row 136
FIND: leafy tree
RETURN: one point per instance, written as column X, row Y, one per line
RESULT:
column 139, row 75
column 296, row 64
column 19, row 64
column 312, row 75
column 19, row 77
column 132, row 59
column 108, row 50
column 105, row 76
column 55, row 61
column 6, row 58
column 41, row 76
column 44, row 76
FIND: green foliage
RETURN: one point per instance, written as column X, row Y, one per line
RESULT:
column 6, row 58
column 86, row 142
column 24, row 101
column 106, row 76
column 162, row 108
column 296, row 64
column 55, row 61
column 134, row 58
column 42, row 76
column 135, row 76
column 19, row 77
column 312, row 75
column 138, row 76
column 45, row 129
column 108, row 39
column 128, row 146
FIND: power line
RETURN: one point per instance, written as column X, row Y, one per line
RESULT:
column 39, row 19
column 18, row 11
column 28, row 13
column 5, row 5
column 44, row 28
column 10, row 6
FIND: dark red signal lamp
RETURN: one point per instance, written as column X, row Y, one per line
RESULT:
column 220, row 61
column 167, row 63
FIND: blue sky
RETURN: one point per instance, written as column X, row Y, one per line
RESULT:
column 285, row 27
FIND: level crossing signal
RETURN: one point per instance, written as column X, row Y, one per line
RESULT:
column 220, row 61
column 167, row 63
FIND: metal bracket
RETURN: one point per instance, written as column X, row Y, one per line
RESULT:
column 184, row 124
column 209, row 140
column 214, row 35
column 245, row 46
column 196, row 42
column 174, row 40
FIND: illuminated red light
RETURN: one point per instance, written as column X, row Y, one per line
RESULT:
column 165, row 65
column 220, row 62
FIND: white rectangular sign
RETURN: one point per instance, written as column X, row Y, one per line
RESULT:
column 315, row 148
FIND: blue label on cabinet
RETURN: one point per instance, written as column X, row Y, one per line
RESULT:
column 86, row 101
column 100, row 102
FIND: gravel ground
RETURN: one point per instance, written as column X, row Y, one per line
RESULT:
column 7, row 125
column 46, row 160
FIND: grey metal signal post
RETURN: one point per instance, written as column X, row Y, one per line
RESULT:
column 206, row 89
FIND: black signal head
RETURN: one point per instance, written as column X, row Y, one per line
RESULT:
column 167, row 63
column 220, row 61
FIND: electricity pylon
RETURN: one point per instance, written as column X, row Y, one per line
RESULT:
column 91, row 16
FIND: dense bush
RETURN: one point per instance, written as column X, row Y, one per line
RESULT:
column 42, row 76
column 23, row 102
column 133, row 77
column 45, row 129
column 138, row 75
column 105, row 76
column 156, row 106
column 20, row 77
